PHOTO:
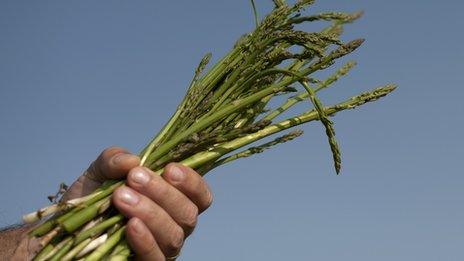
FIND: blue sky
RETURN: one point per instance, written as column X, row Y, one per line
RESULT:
column 79, row 76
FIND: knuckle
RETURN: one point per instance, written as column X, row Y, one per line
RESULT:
column 109, row 152
column 150, row 214
column 94, row 172
column 157, row 187
column 101, row 165
column 199, row 187
column 191, row 217
column 149, row 252
column 205, row 197
column 176, row 241
column 194, row 173
column 99, row 168
column 209, row 198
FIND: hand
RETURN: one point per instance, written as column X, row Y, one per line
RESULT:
column 162, row 210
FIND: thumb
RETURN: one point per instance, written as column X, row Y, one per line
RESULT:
column 113, row 163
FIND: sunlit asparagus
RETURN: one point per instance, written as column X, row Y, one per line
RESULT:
column 223, row 111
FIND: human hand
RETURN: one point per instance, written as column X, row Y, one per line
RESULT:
column 162, row 210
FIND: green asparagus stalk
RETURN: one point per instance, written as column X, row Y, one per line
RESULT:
column 224, row 110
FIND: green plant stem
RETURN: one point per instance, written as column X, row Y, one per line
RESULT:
column 106, row 189
column 242, row 103
column 327, row 124
column 98, row 229
column 255, row 13
column 305, row 95
column 62, row 251
column 54, row 250
column 172, row 121
column 208, row 82
column 85, row 215
column 234, row 84
column 120, row 252
column 121, row 248
column 102, row 192
column 223, row 111
column 288, row 103
column 336, row 76
column 206, row 156
column 111, row 242
column 215, row 74
column 258, row 149
column 76, row 250
column 50, row 224
column 236, row 106
column 44, row 252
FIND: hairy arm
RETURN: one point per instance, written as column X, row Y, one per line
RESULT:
column 15, row 244
column 161, row 210
column 9, row 239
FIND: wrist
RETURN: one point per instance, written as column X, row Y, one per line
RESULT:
column 17, row 245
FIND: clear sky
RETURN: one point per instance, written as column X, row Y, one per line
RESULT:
column 79, row 76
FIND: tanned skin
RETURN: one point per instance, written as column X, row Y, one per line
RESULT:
column 162, row 210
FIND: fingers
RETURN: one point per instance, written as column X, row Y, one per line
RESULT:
column 190, row 183
column 168, row 205
column 142, row 241
column 175, row 203
column 113, row 163
column 167, row 233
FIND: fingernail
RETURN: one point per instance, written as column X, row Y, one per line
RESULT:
column 140, row 176
column 128, row 196
column 177, row 174
column 118, row 158
column 137, row 226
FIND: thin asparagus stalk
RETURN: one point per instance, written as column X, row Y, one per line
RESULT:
column 39, row 214
column 44, row 252
column 223, row 111
column 54, row 250
column 76, row 249
column 304, row 96
column 336, row 76
column 49, row 236
column 106, row 247
column 62, row 251
column 120, row 252
column 240, row 104
column 85, row 215
column 55, row 208
column 206, row 156
column 114, row 228
column 259, row 149
column 104, row 191
column 96, row 230
column 121, row 248
column 328, row 124
column 324, row 84
column 118, row 257
column 94, row 244
column 91, row 224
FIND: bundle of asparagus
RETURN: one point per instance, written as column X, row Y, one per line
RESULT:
column 224, row 110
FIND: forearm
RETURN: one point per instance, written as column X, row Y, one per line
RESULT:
column 16, row 245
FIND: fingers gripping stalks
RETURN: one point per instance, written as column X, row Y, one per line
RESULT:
column 142, row 205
